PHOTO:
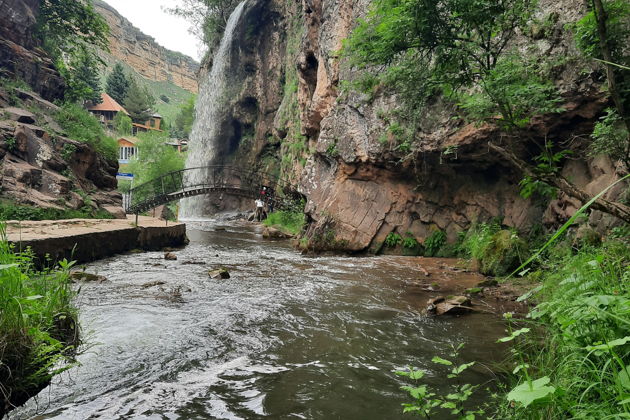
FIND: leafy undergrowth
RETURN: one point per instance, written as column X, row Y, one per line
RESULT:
column 37, row 325
column 286, row 221
column 573, row 358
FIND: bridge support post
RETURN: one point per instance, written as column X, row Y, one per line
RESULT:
column 136, row 219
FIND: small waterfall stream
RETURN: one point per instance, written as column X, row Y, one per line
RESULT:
column 209, row 111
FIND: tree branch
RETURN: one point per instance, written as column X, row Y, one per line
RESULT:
column 609, row 207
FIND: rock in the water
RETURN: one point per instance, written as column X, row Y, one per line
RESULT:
column 170, row 256
column 273, row 233
column 87, row 277
column 153, row 283
column 456, row 305
column 221, row 273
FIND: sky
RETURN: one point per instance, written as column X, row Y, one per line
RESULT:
column 169, row 31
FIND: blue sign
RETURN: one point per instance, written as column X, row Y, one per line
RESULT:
column 124, row 175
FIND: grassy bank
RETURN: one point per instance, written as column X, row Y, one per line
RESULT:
column 570, row 357
column 12, row 211
column 286, row 221
column 37, row 326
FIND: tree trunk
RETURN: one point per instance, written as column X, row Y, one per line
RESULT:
column 609, row 207
column 601, row 16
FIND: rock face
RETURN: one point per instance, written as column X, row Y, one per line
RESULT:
column 360, row 185
column 128, row 44
column 20, row 54
column 38, row 167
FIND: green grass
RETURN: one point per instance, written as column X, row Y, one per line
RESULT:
column 291, row 222
column 37, row 324
column 12, row 211
column 580, row 336
column 82, row 126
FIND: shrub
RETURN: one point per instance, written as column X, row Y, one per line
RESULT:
column 80, row 125
column 37, row 326
column 434, row 242
column 504, row 252
column 289, row 221
column 393, row 240
column 12, row 211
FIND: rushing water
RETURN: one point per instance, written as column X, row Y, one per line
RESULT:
column 287, row 336
column 209, row 116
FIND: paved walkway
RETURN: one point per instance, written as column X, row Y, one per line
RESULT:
column 42, row 229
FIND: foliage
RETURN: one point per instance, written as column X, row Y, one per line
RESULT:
column 428, row 404
column 37, row 322
column 80, row 125
column 547, row 164
column 610, row 137
column 184, row 119
column 13, row 211
column 421, row 48
column 81, row 75
column 154, row 158
column 165, row 98
column 208, row 17
column 117, row 84
column 515, row 90
column 393, row 240
column 71, row 30
column 289, row 221
column 139, row 102
column 434, row 242
column 122, row 124
column 409, row 241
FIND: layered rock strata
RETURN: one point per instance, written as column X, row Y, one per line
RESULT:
column 129, row 45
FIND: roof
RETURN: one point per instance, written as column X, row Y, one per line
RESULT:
column 132, row 140
column 156, row 115
column 108, row 104
column 146, row 127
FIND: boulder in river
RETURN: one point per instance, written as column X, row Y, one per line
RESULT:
column 86, row 277
column 455, row 305
column 221, row 273
column 170, row 256
column 273, row 233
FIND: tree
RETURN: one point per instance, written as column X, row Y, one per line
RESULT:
column 453, row 48
column 138, row 102
column 122, row 124
column 71, row 31
column 155, row 158
column 208, row 17
column 117, row 84
column 603, row 34
column 81, row 75
column 184, row 119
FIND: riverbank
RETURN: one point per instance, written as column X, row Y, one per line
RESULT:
column 85, row 240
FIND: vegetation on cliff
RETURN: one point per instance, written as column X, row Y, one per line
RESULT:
column 71, row 31
column 38, row 334
column 467, row 53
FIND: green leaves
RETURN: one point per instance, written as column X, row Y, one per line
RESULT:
column 513, row 335
column 529, row 392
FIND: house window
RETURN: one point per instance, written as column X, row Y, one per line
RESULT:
column 125, row 152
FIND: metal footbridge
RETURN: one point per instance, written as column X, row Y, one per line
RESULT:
column 214, row 179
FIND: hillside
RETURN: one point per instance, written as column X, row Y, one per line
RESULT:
column 163, row 71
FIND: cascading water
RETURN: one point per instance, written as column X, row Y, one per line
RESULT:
column 209, row 113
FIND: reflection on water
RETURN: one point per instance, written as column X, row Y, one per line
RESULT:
column 286, row 336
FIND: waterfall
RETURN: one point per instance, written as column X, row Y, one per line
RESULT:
column 209, row 110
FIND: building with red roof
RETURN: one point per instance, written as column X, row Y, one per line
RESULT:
column 107, row 109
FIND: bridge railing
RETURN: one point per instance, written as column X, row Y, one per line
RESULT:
column 193, row 181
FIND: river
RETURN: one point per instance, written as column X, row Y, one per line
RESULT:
column 287, row 336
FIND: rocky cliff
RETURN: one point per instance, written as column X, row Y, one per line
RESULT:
column 20, row 52
column 39, row 166
column 289, row 108
column 129, row 45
